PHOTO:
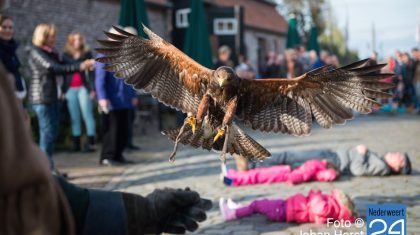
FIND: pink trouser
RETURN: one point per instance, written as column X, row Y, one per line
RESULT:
column 273, row 174
column 274, row 210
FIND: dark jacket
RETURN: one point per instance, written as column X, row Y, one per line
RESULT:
column 108, row 87
column 87, row 204
column 318, row 64
column 88, row 77
column 369, row 164
column 10, row 61
column 273, row 71
column 408, row 73
column 45, row 66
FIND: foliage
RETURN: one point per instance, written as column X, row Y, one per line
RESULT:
column 307, row 13
column 335, row 43
column 318, row 13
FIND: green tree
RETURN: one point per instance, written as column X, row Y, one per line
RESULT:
column 307, row 13
column 318, row 13
column 335, row 43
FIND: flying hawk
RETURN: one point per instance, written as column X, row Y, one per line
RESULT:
column 213, row 99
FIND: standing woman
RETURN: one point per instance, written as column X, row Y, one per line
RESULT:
column 45, row 66
column 8, row 55
column 79, row 91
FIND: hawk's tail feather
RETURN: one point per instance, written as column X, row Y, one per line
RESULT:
column 239, row 142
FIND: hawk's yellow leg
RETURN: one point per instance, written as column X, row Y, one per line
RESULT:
column 220, row 133
column 193, row 122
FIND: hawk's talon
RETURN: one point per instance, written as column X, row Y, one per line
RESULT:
column 220, row 133
column 172, row 157
column 193, row 122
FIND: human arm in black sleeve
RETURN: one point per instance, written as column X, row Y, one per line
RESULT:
column 51, row 65
column 164, row 210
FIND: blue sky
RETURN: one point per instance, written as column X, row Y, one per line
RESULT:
column 395, row 22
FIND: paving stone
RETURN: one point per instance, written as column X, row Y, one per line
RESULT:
column 217, row 231
column 240, row 227
column 245, row 233
column 275, row 233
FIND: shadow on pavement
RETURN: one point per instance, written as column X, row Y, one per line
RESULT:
column 201, row 170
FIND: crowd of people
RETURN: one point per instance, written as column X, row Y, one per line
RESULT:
column 406, row 93
column 297, row 61
column 291, row 63
column 76, row 80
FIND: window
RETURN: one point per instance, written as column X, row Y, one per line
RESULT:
column 181, row 18
column 225, row 26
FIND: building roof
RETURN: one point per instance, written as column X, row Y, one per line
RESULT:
column 259, row 14
column 163, row 3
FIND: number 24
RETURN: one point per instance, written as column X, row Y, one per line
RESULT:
column 390, row 230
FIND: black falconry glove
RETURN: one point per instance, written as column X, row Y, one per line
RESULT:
column 165, row 210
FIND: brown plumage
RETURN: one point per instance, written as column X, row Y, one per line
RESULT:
column 214, row 98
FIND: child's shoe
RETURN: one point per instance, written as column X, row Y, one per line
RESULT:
column 227, row 181
column 224, row 175
column 228, row 213
column 233, row 205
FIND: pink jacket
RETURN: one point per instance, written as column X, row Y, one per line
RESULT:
column 310, row 170
column 316, row 208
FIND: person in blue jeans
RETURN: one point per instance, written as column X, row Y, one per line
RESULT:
column 45, row 65
column 79, row 92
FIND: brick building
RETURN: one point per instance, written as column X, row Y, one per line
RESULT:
column 250, row 27
column 263, row 29
column 90, row 17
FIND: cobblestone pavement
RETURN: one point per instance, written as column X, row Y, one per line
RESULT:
column 200, row 170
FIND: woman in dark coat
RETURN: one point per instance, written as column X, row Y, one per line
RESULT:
column 45, row 66
column 8, row 47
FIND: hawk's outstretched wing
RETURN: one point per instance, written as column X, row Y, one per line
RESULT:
column 157, row 67
column 287, row 105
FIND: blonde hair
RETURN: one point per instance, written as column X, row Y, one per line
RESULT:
column 42, row 32
column 68, row 48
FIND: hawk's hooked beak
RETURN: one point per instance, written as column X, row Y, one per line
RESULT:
column 222, row 82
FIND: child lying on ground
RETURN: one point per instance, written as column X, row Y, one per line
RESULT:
column 312, row 170
column 356, row 161
column 315, row 208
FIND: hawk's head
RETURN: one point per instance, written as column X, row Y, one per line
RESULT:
column 225, row 76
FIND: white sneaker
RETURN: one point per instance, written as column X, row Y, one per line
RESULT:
column 228, row 214
column 233, row 205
